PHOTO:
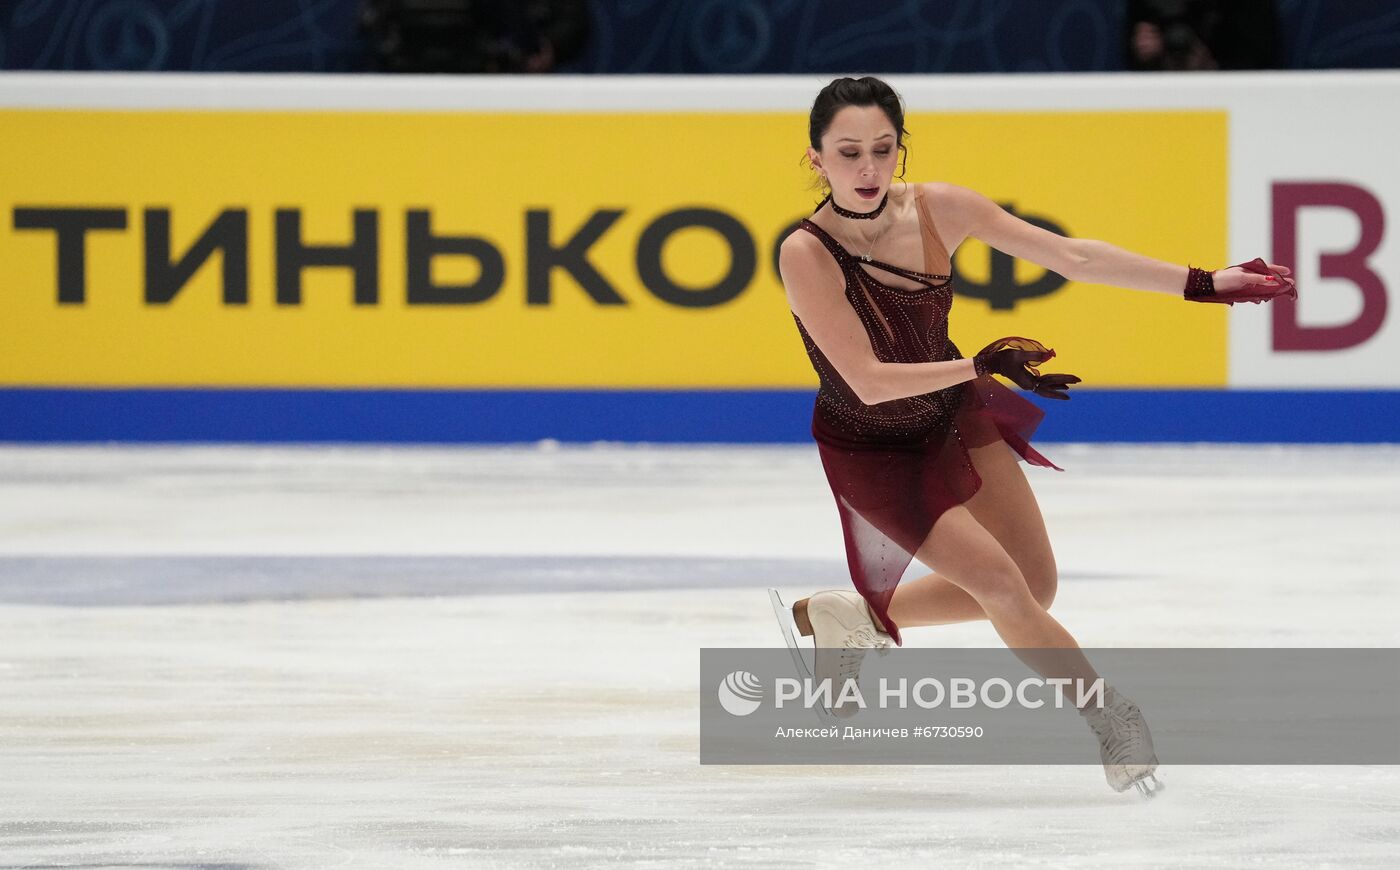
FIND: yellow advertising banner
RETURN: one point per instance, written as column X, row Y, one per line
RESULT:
column 548, row 249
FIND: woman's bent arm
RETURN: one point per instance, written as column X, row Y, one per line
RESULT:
column 898, row 380
column 816, row 293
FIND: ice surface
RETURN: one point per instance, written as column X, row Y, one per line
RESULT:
column 487, row 657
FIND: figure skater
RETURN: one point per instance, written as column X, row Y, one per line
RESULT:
column 919, row 443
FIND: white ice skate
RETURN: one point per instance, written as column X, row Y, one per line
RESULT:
column 1125, row 744
column 842, row 629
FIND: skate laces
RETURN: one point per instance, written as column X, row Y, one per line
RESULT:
column 1119, row 730
column 866, row 637
column 855, row 646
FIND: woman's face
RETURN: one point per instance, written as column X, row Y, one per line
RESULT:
column 859, row 154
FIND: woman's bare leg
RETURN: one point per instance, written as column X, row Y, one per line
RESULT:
column 968, row 556
column 992, row 560
column 1006, row 507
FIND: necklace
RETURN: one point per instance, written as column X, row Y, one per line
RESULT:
column 870, row 215
column 871, row 249
column 860, row 215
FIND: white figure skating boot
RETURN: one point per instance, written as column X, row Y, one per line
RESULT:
column 1125, row 744
column 842, row 629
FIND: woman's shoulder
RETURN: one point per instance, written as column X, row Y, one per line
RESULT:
column 945, row 194
column 951, row 206
column 805, row 253
column 800, row 240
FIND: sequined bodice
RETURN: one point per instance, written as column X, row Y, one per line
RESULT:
column 904, row 326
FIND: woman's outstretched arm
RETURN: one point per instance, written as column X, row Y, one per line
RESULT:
column 1103, row 263
column 1088, row 260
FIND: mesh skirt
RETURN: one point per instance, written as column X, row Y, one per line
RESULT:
column 890, row 493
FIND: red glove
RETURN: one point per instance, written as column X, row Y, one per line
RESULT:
column 1015, row 359
column 1200, row 285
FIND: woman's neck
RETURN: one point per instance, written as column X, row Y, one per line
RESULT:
column 865, row 232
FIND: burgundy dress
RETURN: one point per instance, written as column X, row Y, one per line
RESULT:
column 895, row 467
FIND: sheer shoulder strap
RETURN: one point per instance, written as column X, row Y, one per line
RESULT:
column 929, row 228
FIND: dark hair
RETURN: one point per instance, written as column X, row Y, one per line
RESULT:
column 864, row 91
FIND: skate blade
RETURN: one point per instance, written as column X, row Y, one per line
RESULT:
column 1146, row 790
column 783, row 613
column 788, row 626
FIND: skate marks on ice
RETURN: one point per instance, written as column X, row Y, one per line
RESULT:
column 559, row 730
column 130, row 581
column 410, row 734
column 134, row 581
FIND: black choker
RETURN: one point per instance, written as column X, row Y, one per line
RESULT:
column 859, row 215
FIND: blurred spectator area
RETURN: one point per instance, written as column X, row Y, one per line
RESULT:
column 678, row 36
column 472, row 36
column 1202, row 35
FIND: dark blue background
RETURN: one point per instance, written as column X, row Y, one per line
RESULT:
column 667, row 36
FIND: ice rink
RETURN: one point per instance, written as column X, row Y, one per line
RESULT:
column 415, row 657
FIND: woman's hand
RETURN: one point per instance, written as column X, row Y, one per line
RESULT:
column 1255, row 281
column 1016, row 358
